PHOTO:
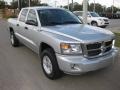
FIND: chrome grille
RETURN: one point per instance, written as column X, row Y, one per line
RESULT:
column 97, row 49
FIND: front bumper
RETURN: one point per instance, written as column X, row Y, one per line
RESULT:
column 80, row 64
column 103, row 23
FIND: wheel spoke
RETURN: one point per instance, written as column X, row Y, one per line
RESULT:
column 12, row 39
column 47, row 65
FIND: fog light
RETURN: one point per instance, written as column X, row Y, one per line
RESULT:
column 75, row 67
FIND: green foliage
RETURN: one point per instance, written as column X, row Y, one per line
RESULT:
column 109, row 9
column 14, row 4
column 77, row 7
column 24, row 3
column 2, row 4
column 98, row 7
column 117, row 39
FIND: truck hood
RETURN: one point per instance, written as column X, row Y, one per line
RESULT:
column 81, row 32
column 95, row 18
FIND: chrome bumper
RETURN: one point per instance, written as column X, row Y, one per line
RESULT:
column 80, row 64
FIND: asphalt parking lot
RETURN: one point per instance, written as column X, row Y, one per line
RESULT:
column 20, row 70
column 114, row 23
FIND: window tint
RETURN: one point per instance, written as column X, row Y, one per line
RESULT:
column 32, row 16
column 23, row 15
column 94, row 14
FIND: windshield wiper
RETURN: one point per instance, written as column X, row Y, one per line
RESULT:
column 71, row 22
column 55, row 23
column 66, row 22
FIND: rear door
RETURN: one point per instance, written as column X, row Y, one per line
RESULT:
column 20, row 33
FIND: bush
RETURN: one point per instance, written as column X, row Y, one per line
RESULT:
column 117, row 39
column 11, row 16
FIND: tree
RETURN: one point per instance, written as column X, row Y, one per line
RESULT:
column 77, row 7
column 2, row 4
column 25, row 3
column 14, row 4
column 98, row 7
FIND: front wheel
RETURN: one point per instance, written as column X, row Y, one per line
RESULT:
column 14, row 40
column 94, row 24
column 49, row 64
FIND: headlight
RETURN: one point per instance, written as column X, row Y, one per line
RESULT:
column 113, row 44
column 70, row 48
column 100, row 19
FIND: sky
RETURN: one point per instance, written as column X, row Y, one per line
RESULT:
column 64, row 2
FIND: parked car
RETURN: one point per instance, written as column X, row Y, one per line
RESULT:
column 110, row 15
column 62, row 41
column 94, row 19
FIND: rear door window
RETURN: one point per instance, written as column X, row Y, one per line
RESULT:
column 32, row 16
column 23, row 15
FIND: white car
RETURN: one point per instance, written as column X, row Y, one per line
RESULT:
column 94, row 19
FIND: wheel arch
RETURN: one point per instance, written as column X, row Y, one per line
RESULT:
column 11, row 29
column 44, row 46
column 93, row 21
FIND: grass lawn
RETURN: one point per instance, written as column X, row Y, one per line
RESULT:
column 117, row 39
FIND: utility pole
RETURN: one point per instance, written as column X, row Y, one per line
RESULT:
column 13, row 2
column 113, row 7
column 39, row 1
column 85, row 10
column 55, row 3
column 18, row 5
column 29, row 3
column 94, row 6
column 72, row 5
column 68, row 5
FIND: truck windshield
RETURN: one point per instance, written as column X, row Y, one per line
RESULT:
column 50, row 17
column 93, row 14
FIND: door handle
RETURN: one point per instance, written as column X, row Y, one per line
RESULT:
column 26, row 28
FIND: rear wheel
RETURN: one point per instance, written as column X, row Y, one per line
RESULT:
column 49, row 64
column 14, row 40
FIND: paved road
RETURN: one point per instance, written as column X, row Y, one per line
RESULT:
column 114, row 23
column 20, row 70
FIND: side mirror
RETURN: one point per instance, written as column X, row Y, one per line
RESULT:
column 89, row 16
column 31, row 22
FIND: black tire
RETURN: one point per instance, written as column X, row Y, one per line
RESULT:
column 56, row 73
column 14, row 40
column 94, row 24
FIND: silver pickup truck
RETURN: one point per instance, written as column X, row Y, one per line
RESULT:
column 63, row 42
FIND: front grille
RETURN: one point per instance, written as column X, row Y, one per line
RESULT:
column 93, row 46
column 97, row 49
column 94, row 53
column 108, row 49
column 108, row 43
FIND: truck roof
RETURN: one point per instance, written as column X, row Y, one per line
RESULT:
column 83, row 11
column 41, row 7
